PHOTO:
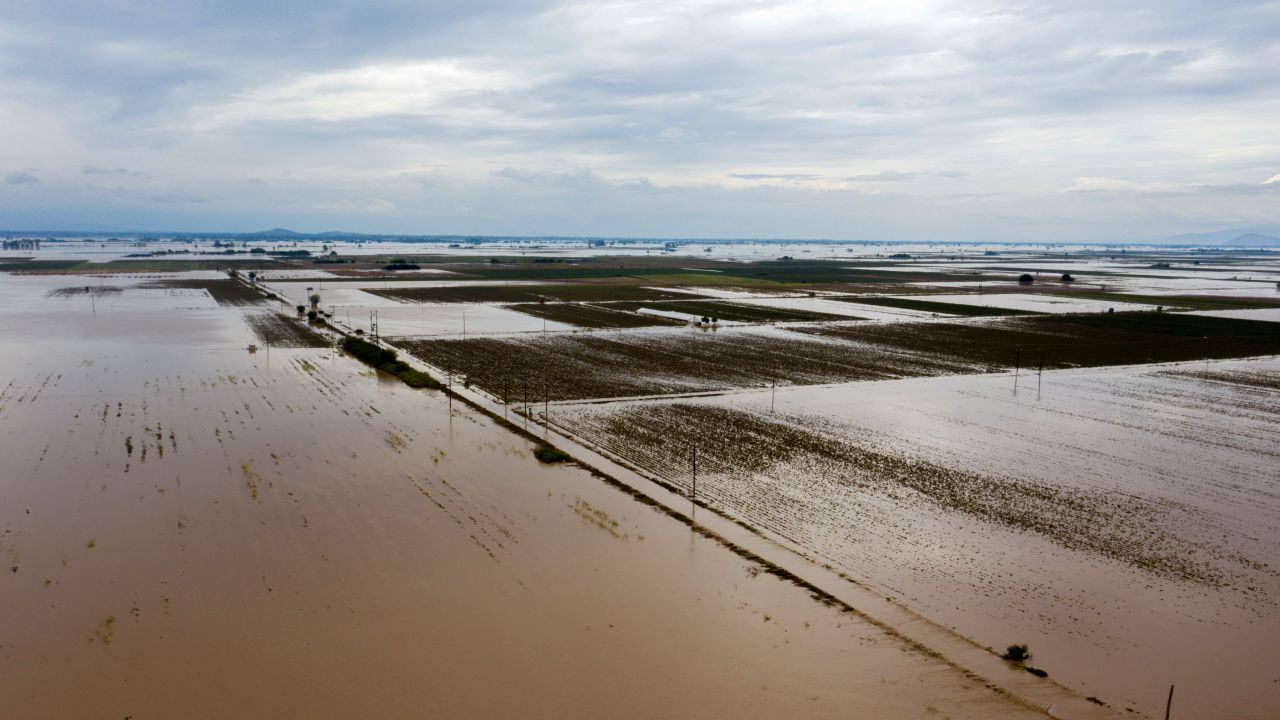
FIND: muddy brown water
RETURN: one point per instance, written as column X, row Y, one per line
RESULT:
column 1174, row 466
column 192, row 530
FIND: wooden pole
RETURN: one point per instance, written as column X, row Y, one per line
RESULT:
column 774, row 396
column 1040, row 375
column 546, row 406
column 694, row 497
column 1168, row 705
column 1017, row 361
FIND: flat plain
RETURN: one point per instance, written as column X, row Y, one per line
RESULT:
column 286, row 531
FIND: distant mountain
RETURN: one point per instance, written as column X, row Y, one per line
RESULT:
column 287, row 233
column 1252, row 237
column 276, row 233
column 1254, row 240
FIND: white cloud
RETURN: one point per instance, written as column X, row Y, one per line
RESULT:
column 448, row 90
column 1109, row 184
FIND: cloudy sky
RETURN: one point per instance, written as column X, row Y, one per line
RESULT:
column 901, row 120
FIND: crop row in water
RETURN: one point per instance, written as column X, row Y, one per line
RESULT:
column 1091, row 340
column 597, row 365
column 226, row 292
column 275, row 330
column 809, row 481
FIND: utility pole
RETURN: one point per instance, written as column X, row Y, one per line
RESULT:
column 1168, row 705
column 774, row 396
column 694, row 498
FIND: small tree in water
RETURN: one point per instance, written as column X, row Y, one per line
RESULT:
column 1017, row 653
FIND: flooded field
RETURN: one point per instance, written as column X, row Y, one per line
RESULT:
column 208, row 505
column 1119, row 521
column 285, row 533
column 608, row 364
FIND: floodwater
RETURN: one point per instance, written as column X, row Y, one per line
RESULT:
column 1177, row 462
column 1036, row 303
column 193, row 530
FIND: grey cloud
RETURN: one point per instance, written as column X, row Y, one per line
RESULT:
column 1152, row 91
column 95, row 170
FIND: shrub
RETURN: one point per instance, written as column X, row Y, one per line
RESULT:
column 1017, row 653
column 386, row 361
column 398, row 265
column 1026, row 279
column 550, row 454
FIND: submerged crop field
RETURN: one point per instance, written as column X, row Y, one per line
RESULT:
column 275, row 330
column 597, row 365
column 606, row 365
column 1060, row 512
column 591, row 315
column 524, row 293
column 906, row 461
column 322, row 538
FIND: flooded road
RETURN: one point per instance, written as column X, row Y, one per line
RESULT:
column 189, row 529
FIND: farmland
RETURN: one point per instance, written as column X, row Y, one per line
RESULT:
column 288, row 516
column 601, row 366
column 591, row 316
column 906, row 461
column 275, row 330
column 1060, row 512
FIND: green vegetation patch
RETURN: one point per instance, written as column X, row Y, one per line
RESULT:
column 550, row 454
column 31, row 266
column 388, row 361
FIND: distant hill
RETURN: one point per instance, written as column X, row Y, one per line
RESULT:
column 1264, row 236
column 276, row 233
column 292, row 234
column 1254, row 240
